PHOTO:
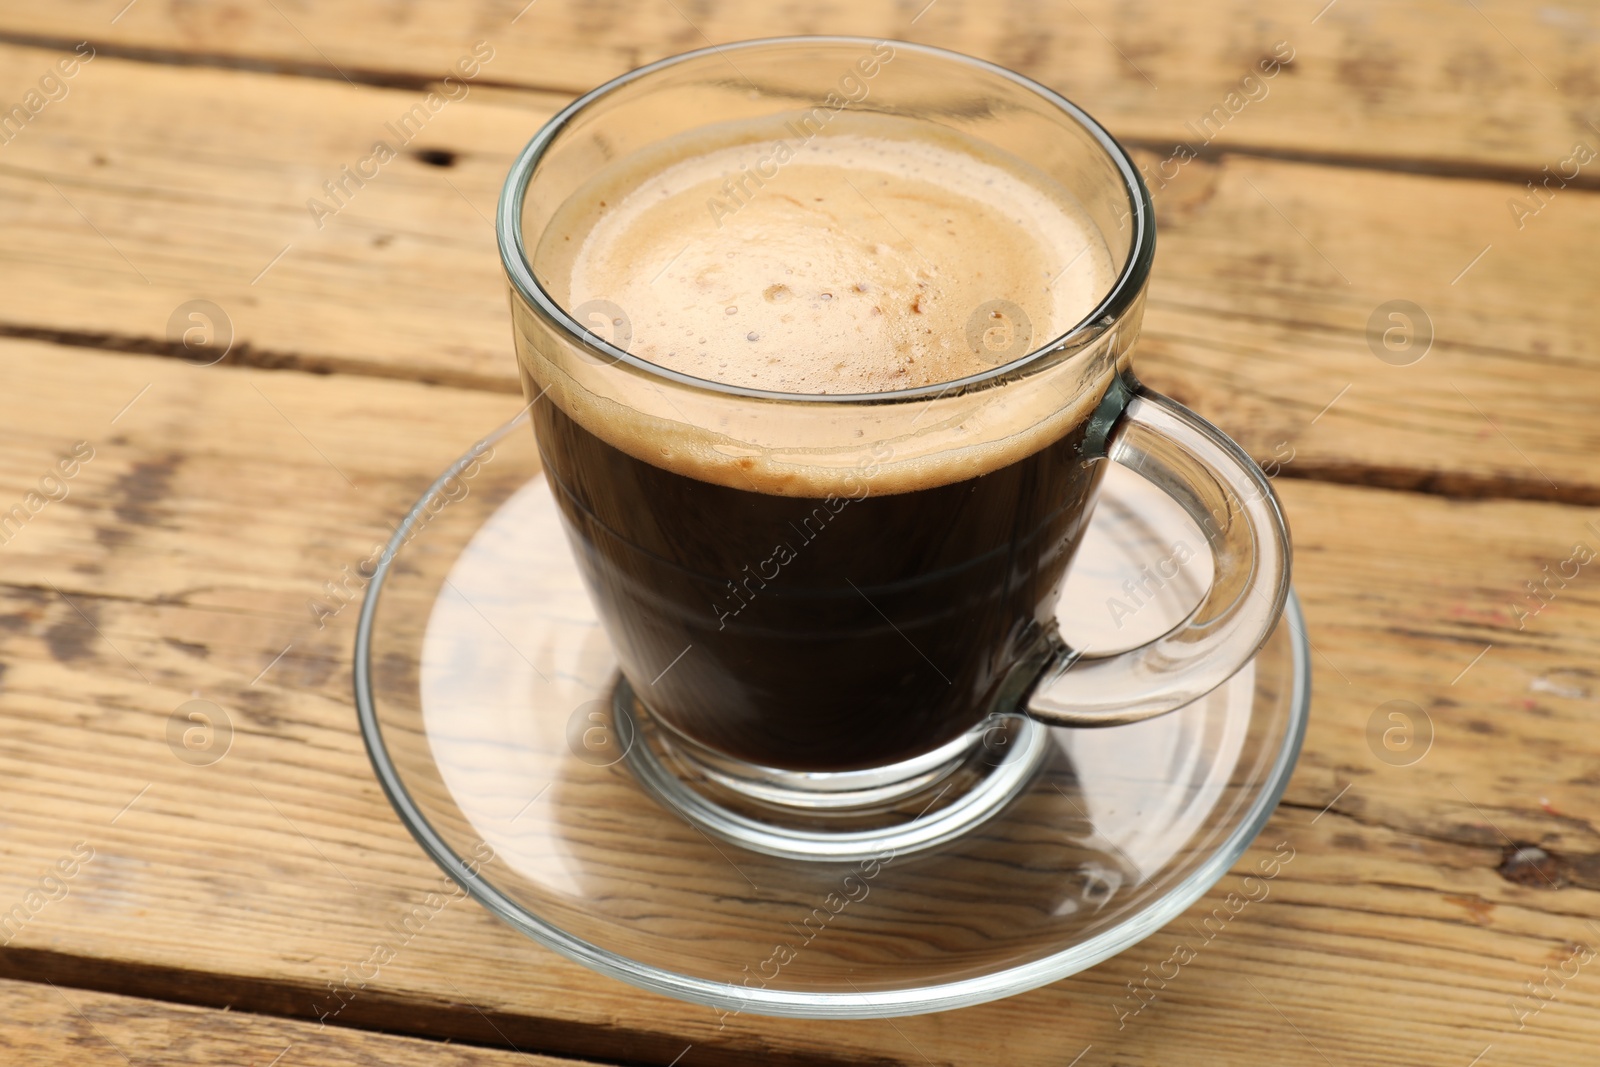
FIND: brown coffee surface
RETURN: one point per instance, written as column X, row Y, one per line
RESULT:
column 854, row 262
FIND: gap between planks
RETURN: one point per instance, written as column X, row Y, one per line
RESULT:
column 52, row 1031
column 1462, row 169
column 374, row 1011
column 1453, row 485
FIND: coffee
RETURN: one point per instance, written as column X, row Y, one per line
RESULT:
column 855, row 268
column 859, row 604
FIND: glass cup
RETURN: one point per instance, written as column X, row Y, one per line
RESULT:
column 804, row 612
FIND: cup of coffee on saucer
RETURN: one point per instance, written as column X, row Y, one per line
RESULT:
column 852, row 633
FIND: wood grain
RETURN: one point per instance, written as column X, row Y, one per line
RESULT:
column 1439, row 910
column 206, row 519
column 45, row 1027
column 1443, row 85
column 1263, row 312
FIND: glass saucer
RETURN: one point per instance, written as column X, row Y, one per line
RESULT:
column 485, row 689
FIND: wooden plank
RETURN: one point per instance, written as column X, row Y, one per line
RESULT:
column 220, row 213
column 45, row 1027
column 1275, row 285
column 1427, row 81
column 1266, row 280
column 205, row 521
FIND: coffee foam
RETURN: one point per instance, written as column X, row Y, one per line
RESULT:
column 868, row 258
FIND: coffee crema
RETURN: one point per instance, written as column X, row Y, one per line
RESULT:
column 886, row 254
column 856, row 266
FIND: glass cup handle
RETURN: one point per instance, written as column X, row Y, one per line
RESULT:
column 1229, row 498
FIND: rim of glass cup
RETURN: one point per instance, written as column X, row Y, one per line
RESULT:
column 873, row 1004
column 1129, row 282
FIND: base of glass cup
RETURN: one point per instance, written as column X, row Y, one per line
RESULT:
column 833, row 816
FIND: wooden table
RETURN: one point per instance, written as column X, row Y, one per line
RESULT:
column 1439, row 909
